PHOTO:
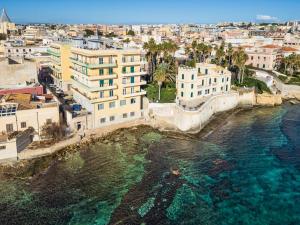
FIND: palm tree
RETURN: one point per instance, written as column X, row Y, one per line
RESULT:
column 239, row 59
column 229, row 53
column 160, row 76
column 152, row 52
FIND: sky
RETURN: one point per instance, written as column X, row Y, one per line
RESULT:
column 150, row 11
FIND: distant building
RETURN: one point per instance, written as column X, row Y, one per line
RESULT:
column 6, row 26
column 202, row 81
column 265, row 57
column 60, row 65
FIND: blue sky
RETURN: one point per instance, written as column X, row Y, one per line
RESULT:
column 150, row 11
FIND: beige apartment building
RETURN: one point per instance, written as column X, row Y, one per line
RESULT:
column 202, row 81
column 108, row 84
column 60, row 65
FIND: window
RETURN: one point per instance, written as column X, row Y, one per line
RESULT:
column 122, row 102
column 214, row 89
column 182, row 85
column 132, row 80
column 193, row 77
column 124, row 70
column 227, row 79
column 206, row 71
column 101, row 60
column 23, row 125
column 102, row 120
column 182, row 76
column 112, row 118
column 132, row 59
column 110, row 82
column 223, row 80
column 124, row 115
column 132, row 101
column 111, row 93
column 192, row 86
column 215, row 80
column 124, row 91
column 2, row 147
column 110, row 59
column 124, row 80
column 182, row 94
column 101, row 71
column 9, row 128
column 101, row 94
column 132, row 114
column 199, row 93
column 192, row 94
column 132, row 69
column 123, row 59
column 210, row 81
column 202, row 82
column 100, row 106
column 101, row 83
column 251, row 57
column 264, row 66
column 112, row 105
column 132, row 90
column 199, row 70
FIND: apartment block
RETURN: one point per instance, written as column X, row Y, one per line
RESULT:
column 60, row 65
column 202, row 81
column 108, row 83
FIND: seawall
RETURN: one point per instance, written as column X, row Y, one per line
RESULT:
column 175, row 117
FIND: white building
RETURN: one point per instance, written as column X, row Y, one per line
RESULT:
column 202, row 81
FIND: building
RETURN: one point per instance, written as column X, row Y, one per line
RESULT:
column 18, row 112
column 60, row 65
column 6, row 26
column 107, row 83
column 202, row 81
column 265, row 57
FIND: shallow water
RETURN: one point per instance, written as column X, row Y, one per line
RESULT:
column 246, row 172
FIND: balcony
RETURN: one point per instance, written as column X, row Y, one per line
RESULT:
column 129, row 74
column 51, row 52
column 93, row 66
column 140, row 83
column 94, row 99
column 80, row 85
column 133, row 63
column 93, row 77
column 137, row 93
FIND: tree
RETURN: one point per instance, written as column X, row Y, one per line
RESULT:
column 88, row 32
column 152, row 52
column 239, row 59
column 229, row 53
column 160, row 77
column 52, row 131
column 126, row 40
column 220, row 54
column 131, row 33
column 3, row 37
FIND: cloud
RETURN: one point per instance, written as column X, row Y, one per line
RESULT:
column 266, row 17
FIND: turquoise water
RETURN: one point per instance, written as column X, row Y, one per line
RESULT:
column 246, row 172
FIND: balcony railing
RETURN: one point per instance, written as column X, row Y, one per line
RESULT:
column 51, row 52
column 94, row 66
column 92, row 89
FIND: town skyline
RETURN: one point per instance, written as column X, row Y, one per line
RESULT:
column 154, row 12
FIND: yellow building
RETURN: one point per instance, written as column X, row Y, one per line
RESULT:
column 60, row 65
column 6, row 25
column 108, row 84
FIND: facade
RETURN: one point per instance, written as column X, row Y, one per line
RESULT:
column 265, row 57
column 107, row 83
column 18, row 112
column 202, row 81
column 60, row 65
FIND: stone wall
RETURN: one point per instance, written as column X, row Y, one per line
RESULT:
column 268, row 99
column 172, row 116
